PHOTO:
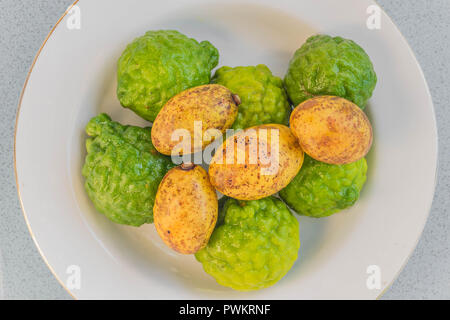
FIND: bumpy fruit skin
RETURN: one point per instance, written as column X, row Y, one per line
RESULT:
column 255, row 246
column 263, row 97
column 330, row 66
column 160, row 64
column 186, row 208
column 320, row 189
column 122, row 170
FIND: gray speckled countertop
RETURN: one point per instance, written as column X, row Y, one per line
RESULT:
column 24, row 25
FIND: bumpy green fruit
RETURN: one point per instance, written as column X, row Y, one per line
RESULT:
column 122, row 170
column 254, row 247
column 263, row 98
column 321, row 189
column 330, row 66
column 160, row 64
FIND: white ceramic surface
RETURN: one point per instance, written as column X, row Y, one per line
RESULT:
column 73, row 79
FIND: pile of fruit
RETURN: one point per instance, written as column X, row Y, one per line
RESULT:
column 313, row 160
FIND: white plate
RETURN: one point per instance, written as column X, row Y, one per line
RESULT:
column 73, row 79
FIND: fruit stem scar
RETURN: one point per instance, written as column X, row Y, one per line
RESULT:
column 187, row 166
column 236, row 99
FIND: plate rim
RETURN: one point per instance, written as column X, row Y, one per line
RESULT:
column 36, row 57
column 411, row 52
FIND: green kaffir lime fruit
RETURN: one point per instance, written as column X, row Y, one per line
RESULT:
column 330, row 66
column 255, row 245
column 160, row 64
column 321, row 189
column 122, row 170
column 263, row 98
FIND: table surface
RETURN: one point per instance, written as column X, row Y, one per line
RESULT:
column 25, row 24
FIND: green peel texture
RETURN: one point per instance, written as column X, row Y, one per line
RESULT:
column 255, row 245
column 330, row 66
column 263, row 97
column 122, row 170
column 321, row 189
column 160, row 64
